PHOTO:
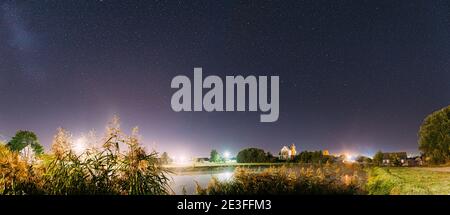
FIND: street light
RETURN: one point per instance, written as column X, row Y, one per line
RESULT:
column 226, row 155
column 350, row 158
column 79, row 146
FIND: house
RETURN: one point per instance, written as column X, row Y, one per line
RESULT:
column 325, row 152
column 202, row 160
column 288, row 153
column 285, row 153
column 414, row 161
column 395, row 159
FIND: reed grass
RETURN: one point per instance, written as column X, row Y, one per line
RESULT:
column 326, row 179
column 106, row 169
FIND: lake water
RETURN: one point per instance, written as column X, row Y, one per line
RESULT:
column 187, row 180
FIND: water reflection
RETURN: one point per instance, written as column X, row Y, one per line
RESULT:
column 187, row 180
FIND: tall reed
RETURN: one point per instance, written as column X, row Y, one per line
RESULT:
column 326, row 179
column 119, row 165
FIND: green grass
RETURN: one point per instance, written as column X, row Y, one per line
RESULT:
column 409, row 181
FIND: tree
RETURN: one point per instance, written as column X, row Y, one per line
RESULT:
column 23, row 139
column 378, row 158
column 215, row 156
column 396, row 161
column 363, row 159
column 434, row 136
column 252, row 155
column 270, row 157
column 165, row 159
column 312, row 157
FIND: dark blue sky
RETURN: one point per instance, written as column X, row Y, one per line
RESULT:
column 354, row 75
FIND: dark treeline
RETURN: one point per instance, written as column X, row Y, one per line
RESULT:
column 255, row 155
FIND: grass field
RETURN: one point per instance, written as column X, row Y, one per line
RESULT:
column 409, row 181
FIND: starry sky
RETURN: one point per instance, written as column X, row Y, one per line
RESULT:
column 354, row 75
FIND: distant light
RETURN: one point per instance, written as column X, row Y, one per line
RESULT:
column 226, row 154
column 350, row 158
column 79, row 147
column 182, row 159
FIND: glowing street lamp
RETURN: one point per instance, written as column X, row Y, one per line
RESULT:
column 350, row 158
column 182, row 159
column 226, row 155
column 79, row 147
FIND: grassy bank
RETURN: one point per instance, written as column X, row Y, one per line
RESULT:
column 199, row 167
column 408, row 181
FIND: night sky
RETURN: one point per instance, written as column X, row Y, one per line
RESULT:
column 354, row 75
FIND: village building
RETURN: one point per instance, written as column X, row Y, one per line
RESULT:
column 288, row 153
column 202, row 160
column 285, row 153
column 414, row 161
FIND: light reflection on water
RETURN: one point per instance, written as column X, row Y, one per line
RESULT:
column 187, row 180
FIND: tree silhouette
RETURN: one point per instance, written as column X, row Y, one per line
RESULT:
column 24, row 138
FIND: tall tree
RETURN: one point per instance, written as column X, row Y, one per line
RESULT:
column 434, row 136
column 165, row 159
column 214, row 156
column 23, row 139
column 378, row 158
column 252, row 155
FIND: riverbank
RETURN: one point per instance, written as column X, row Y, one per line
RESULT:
column 371, row 180
column 208, row 167
column 281, row 178
column 409, row 181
